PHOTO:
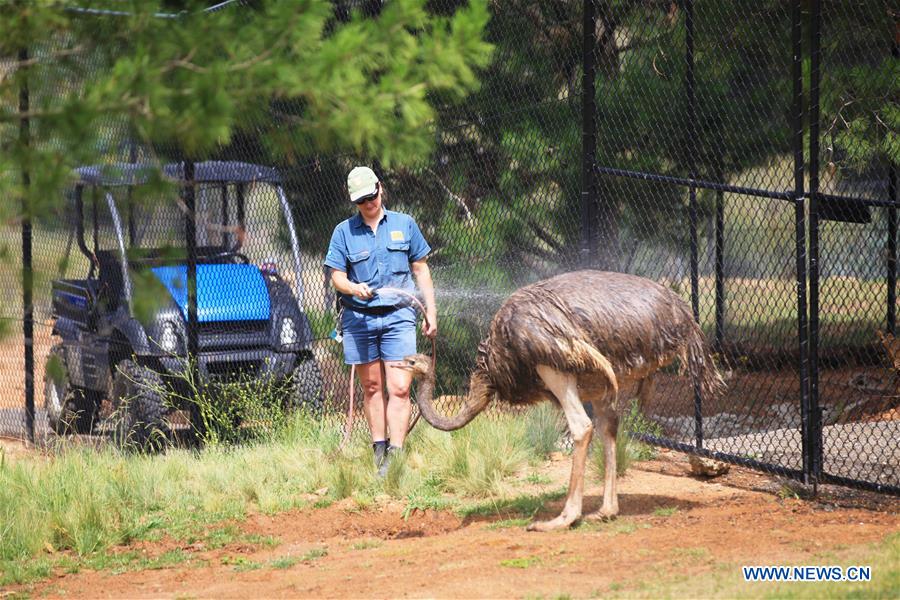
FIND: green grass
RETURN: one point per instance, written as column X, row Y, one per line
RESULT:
column 509, row 523
column 367, row 544
column 86, row 502
column 628, row 449
column 659, row 511
column 544, row 428
column 521, row 563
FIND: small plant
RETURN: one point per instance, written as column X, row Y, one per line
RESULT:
column 241, row 563
column 285, row 562
column 345, row 478
column 521, row 563
column 314, row 554
column 538, row 479
column 246, row 409
column 509, row 523
column 367, row 544
column 788, row 492
column 628, row 449
column 668, row 511
column 544, row 428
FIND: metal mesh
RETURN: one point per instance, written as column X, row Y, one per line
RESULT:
column 689, row 165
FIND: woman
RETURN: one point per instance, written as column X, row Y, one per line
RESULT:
column 373, row 250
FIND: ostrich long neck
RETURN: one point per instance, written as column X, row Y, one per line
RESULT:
column 480, row 394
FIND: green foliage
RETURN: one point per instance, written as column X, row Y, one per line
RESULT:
column 187, row 84
column 544, row 428
column 476, row 460
column 628, row 450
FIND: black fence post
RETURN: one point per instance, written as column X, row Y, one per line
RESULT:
column 588, row 137
column 691, row 154
column 892, row 222
column 815, row 422
column 27, row 266
column 190, row 232
column 800, row 231
column 720, row 269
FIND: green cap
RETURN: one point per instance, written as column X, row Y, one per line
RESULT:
column 361, row 182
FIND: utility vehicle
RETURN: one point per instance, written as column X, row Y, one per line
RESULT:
column 121, row 332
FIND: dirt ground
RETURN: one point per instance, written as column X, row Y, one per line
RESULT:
column 671, row 525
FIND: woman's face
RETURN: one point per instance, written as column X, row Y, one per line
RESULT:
column 371, row 208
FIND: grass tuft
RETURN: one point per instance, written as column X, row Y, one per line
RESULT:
column 628, row 449
column 544, row 429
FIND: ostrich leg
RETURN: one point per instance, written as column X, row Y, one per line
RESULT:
column 565, row 387
column 608, row 424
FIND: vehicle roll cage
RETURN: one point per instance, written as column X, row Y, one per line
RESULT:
column 221, row 173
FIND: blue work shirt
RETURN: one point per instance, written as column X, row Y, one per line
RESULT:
column 379, row 259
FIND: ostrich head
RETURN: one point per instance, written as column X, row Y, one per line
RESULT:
column 418, row 364
column 480, row 393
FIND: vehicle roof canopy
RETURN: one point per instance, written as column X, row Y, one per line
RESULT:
column 130, row 174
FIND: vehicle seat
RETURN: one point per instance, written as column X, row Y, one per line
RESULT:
column 111, row 284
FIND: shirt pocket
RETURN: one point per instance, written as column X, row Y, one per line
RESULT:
column 398, row 257
column 362, row 266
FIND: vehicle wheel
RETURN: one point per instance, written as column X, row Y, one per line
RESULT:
column 139, row 407
column 306, row 386
column 69, row 409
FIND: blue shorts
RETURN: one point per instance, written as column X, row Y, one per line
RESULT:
column 391, row 336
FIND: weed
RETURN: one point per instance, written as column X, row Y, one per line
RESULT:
column 314, row 554
column 367, row 544
column 538, row 479
column 668, row 511
column 285, row 562
column 509, row 523
column 241, row 563
column 423, row 503
column 521, row 563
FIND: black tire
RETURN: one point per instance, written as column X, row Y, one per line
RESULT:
column 139, row 407
column 69, row 409
column 305, row 386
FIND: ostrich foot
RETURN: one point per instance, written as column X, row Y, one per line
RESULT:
column 603, row 515
column 561, row 522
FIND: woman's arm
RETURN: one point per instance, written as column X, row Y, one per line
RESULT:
column 423, row 279
column 345, row 286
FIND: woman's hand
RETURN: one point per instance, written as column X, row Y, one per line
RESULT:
column 429, row 325
column 362, row 291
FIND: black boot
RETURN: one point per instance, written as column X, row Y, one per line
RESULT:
column 380, row 448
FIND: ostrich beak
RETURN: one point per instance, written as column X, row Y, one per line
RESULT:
column 406, row 364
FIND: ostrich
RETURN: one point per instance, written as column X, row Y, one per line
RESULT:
column 579, row 335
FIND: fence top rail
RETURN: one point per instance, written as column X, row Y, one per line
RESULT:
column 697, row 183
column 129, row 174
column 746, row 191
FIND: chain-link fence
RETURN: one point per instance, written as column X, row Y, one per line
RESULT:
column 734, row 151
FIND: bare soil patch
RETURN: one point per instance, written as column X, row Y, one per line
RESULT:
column 671, row 525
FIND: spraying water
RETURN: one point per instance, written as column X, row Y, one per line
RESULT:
column 400, row 292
